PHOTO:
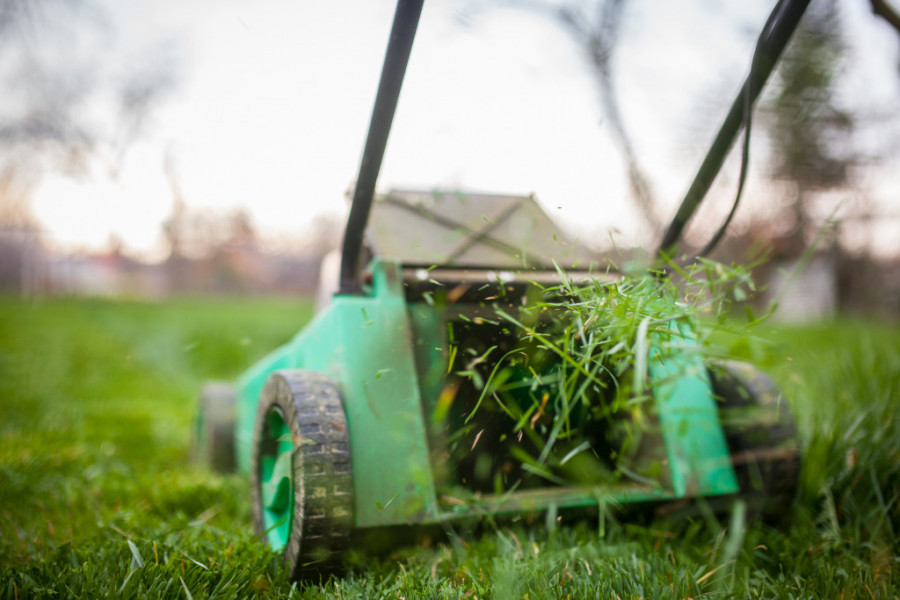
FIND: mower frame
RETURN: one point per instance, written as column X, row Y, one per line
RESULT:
column 383, row 345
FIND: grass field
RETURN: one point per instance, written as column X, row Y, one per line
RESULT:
column 97, row 496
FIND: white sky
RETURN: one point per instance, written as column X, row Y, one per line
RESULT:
column 274, row 101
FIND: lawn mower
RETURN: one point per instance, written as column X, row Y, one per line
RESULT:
column 376, row 414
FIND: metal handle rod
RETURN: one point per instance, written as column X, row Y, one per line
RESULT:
column 396, row 58
column 772, row 41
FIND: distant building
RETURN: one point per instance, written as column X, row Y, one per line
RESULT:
column 804, row 291
column 23, row 260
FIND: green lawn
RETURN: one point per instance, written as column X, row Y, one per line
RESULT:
column 97, row 496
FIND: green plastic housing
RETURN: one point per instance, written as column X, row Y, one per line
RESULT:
column 365, row 344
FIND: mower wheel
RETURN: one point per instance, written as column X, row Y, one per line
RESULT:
column 214, row 427
column 301, row 481
column 761, row 436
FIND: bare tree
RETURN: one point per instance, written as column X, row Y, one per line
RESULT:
column 595, row 27
column 57, row 68
column 69, row 102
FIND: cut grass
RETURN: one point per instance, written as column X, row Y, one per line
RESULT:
column 97, row 497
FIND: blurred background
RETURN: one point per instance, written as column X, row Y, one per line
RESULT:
column 154, row 149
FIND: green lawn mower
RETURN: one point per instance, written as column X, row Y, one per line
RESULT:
column 428, row 392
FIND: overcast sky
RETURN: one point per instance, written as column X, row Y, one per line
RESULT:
column 272, row 102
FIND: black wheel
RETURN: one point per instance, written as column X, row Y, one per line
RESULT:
column 761, row 435
column 214, row 427
column 301, row 479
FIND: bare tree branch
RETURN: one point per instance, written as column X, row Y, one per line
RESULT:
column 884, row 10
column 597, row 35
column 48, row 117
column 600, row 41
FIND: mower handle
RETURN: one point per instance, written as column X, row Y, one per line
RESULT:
column 403, row 32
column 772, row 40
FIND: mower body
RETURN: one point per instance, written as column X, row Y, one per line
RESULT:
column 414, row 397
column 391, row 352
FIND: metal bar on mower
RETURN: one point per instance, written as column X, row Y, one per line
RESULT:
column 452, row 225
column 781, row 24
column 483, row 233
column 403, row 32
